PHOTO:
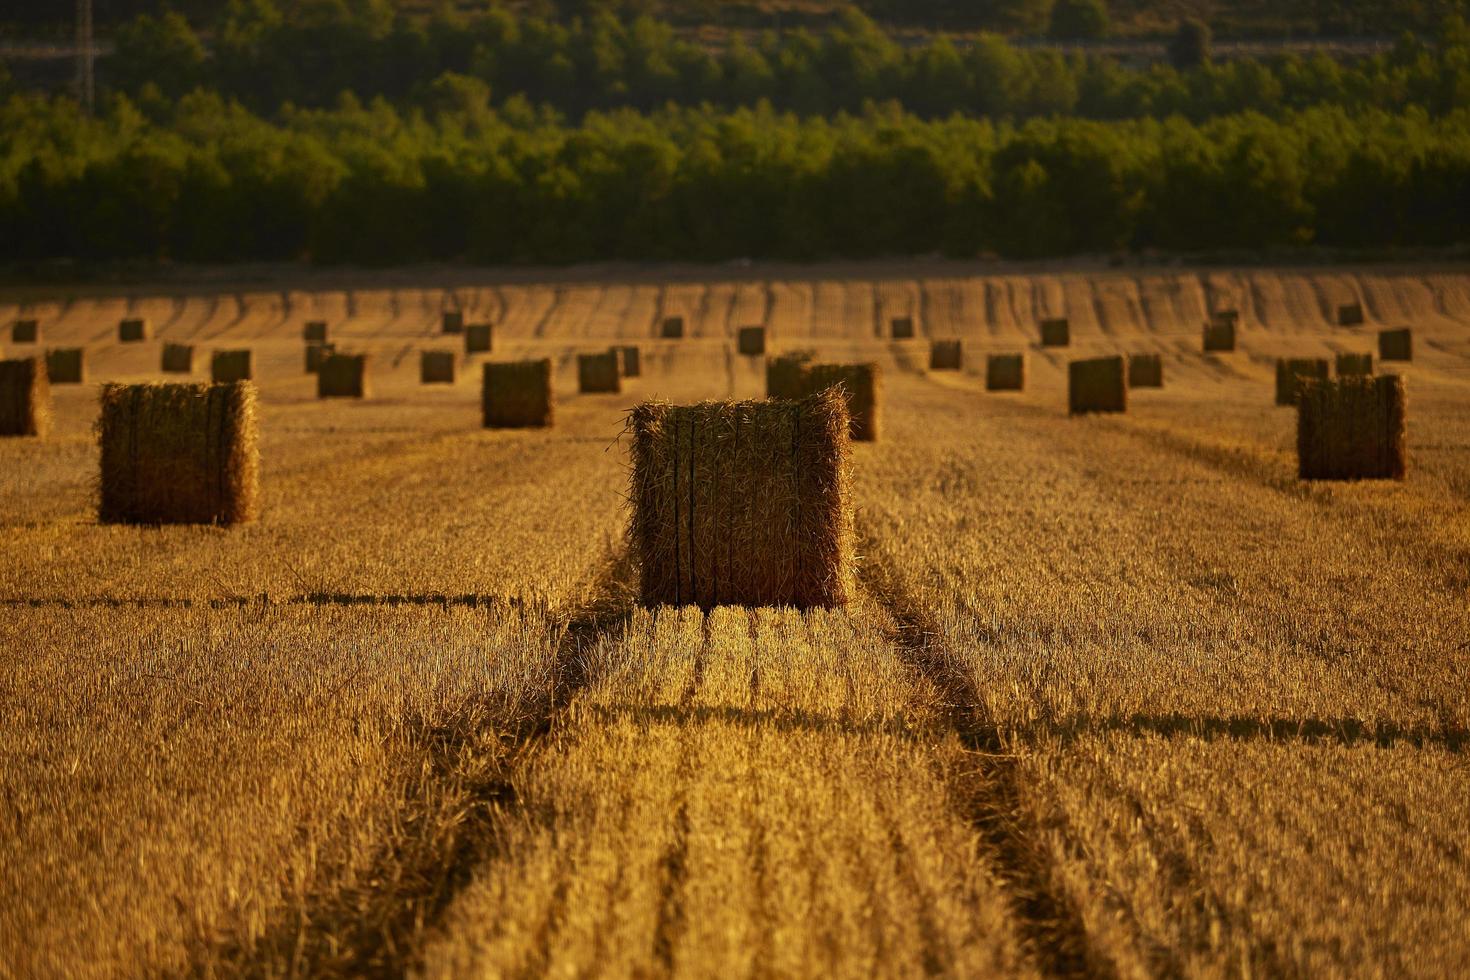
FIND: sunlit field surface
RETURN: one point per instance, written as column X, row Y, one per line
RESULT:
column 1120, row 696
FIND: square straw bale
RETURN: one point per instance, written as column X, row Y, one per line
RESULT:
column 1219, row 336
column 178, row 358
column 479, row 338
column 25, row 332
column 862, row 384
column 1292, row 372
column 751, row 341
column 517, row 394
column 946, row 355
column 178, row 454
column 1005, row 372
column 452, row 321
column 1145, row 371
column 901, row 328
column 315, row 332
column 1097, row 385
column 66, row 365
column 1353, row 428
column 134, row 329
column 1056, row 332
column 1350, row 315
column 1349, row 363
column 1226, row 317
column 315, row 354
column 672, row 328
column 786, row 374
column 436, row 367
column 598, row 373
column 227, row 366
column 1396, row 345
column 743, row 503
column 343, row 376
column 630, row 362
column 25, row 397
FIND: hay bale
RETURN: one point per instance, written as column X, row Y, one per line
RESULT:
column 315, row 354
column 743, row 503
column 751, row 341
column 179, row 454
column 1145, row 371
column 1226, row 317
column 1056, row 332
column 1348, row 364
column 133, row 330
column 946, row 355
column 672, row 328
column 598, row 373
column 901, row 328
column 1097, row 385
column 315, row 332
column 451, row 322
column 1350, row 315
column 479, row 338
column 1005, row 372
column 25, row 332
column 1352, row 429
column 630, row 363
column 66, row 365
column 786, row 374
column 862, row 384
column 229, row 366
column 343, row 376
column 436, row 367
column 1396, row 345
column 517, row 395
column 1219, row 336
column 1292, row 372
column 178, row 358
column 25, row 397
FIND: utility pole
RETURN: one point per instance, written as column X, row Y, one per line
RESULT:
column 86, row 80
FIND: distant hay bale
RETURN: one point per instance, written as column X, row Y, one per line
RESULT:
column 451, row 322
column 1396, row 345
column 1005, row 372
column 946, row 355
column 598, row 373
column 315, row 354
column 1353, row 428
column 178, row 358
column 25, row 332
column 25, row 397
column 1145, row 371
column 315, row 332
column 1348, row 363
column 672, row 328
column 229, row 366
column 517, row 394
column 178, row 454
column 743, row 503
column 343, row 376
column 66, row 365
column 1227, row 316
column 786, row 374
column 1219, row 336
column 1056, row 332
column 1350, row 315
column 1292, row 372
column 630, row 362
column 134, row 329
column 751, row 341
column 479, row 338
column 1097, row 385
column 436, row 367
column 862, row 384
column 901, row 328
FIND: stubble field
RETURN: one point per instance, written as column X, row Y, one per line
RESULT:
column 1120, row 695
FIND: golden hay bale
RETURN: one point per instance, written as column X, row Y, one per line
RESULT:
column 229, row 366
column 751, row 341
column 1396, row 345
column 315, row 332
column 901, row 328
column 1354, row 364
column 451, row 322
column 517, row 394
column 862, row 384
column 479, row 338
column 178, row 454
column 1145, row 371
column 1097, row 385
column 315, row 354
column 743, row 503
column 1056, row 332
column 1350, row 315
column 672, row 328
column 343, row 376
column 178, row 358
column 786, row 374
column 436, row 367
column 1223, row 317
column 1291, row 372
column 133, row 330
column 598, row 373
column 630, row 363
column 66, row 365
column 1005, row 372
column 946, row 355
column 1353, row 428
column 1219, row 336
column 25, row 397
column 25, row 332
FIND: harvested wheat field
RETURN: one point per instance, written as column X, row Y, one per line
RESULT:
column 1112, row 695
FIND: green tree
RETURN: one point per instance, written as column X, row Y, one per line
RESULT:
column 162, row 50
